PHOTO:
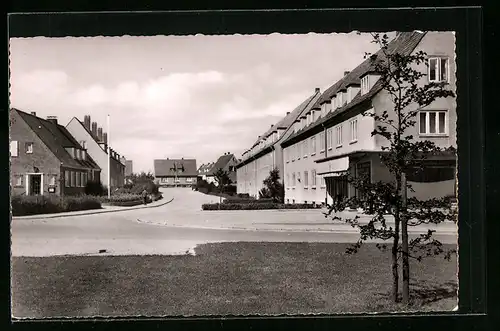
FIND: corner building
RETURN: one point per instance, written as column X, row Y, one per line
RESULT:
column 334, row 137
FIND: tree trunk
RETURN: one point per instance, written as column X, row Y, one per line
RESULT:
column 404, row 244
column 395, row 246
column 394, row 253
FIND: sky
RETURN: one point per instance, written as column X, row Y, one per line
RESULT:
column 178, row 96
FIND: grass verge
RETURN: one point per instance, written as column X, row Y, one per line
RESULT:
column 226, row 279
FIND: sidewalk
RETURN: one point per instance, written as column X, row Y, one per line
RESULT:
column 271, row 220
column 105, row 209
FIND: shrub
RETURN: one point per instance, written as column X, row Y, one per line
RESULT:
column 256, row 206
column 83, row 202
column 94, row 188
column 232, row 200
column 32, row 205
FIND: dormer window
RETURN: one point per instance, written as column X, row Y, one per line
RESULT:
column 334, row 102
column 352, row 90
column 365, row 86
column 340, row 99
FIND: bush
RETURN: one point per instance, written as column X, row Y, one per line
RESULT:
column 235, row 200
column 94, row 188
column 256, row 206
column 33, row 205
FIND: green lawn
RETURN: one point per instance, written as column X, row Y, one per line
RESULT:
column 226, row 278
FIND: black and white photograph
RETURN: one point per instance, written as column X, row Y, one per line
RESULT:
column 237, row 174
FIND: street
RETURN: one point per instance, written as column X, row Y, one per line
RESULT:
column 175, row 228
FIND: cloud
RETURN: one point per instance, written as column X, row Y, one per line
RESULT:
column 193, row 96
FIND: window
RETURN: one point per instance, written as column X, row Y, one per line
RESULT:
column 82, row 179
column 298, row 177
column 304, row 148
column 438, row 69
column 14, row 150
column 323, row 183
column 287, row 180
column 189, row 179
column 293, row 180
column 85, row 176
column 18, row 181
column 334, row 103
column 67, row 179
column 29, row 148
column 340, row 99
column 365, row 87
column 299, row 151
column 432, row 122
column 313, row 145
column 322, row 142
column 78, row 179
column 354, row 130
column 313, row 178
column 431, row 174
column 306, row 179
column 338, row 133
column 52, row 180
column 329, row 139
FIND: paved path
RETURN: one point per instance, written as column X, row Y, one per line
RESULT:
column 175, row 228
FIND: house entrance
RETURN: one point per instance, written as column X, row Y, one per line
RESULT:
column 337, row 187
column 34, row 184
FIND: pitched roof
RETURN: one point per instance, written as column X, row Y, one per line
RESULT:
column 57, row 139
column 165, row 167
column 223, row 162
column 404, row 43
column 97, row 141
column 288, row 120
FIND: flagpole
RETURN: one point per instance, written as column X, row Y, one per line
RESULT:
column 109, row 161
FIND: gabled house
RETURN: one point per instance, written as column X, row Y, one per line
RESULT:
column 334, row 137
column 46, row 159
column 204, row 169
column 227, row 163
column 96, row 142
column 175, row 172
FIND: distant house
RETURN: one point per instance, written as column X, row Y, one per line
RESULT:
column 226, row 162
column 204, row 169
column 96, row 142
column 175, row 172
column 46, row 159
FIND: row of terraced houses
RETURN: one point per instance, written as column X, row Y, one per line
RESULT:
column 315, row 144
column 47, row 158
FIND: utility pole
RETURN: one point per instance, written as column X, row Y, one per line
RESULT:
column 109, row 160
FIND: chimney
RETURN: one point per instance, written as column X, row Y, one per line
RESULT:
column 105, row 137
column 346, row 73
column 94, row 129
column 52, row 119
column 272, row 125
column 99, row 134
column 33, row 113
column 317, row 90
column 288, row 113
column 86, row 122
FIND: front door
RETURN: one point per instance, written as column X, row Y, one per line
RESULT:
column 35, row 184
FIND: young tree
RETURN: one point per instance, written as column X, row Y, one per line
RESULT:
column 401, row 78
column 222, row 178
column 273, row 188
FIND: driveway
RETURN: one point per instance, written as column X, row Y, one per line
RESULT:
column 175, row 228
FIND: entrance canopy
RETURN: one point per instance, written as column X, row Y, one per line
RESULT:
column 334, row 168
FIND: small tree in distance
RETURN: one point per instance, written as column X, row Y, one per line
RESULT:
column 273, row 188
column 402, row 81
column 222, row 179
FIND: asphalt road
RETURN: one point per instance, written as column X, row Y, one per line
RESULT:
column 161, row 230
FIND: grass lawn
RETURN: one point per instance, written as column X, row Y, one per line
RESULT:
column 227, row 278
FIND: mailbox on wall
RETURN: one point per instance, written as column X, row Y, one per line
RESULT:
column 52, row 189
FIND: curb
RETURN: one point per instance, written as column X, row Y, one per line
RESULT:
column 100, row 211
column 242, row 228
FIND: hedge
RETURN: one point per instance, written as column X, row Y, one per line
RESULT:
column 23, row 205
column 232, row 200
column 256, row 206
